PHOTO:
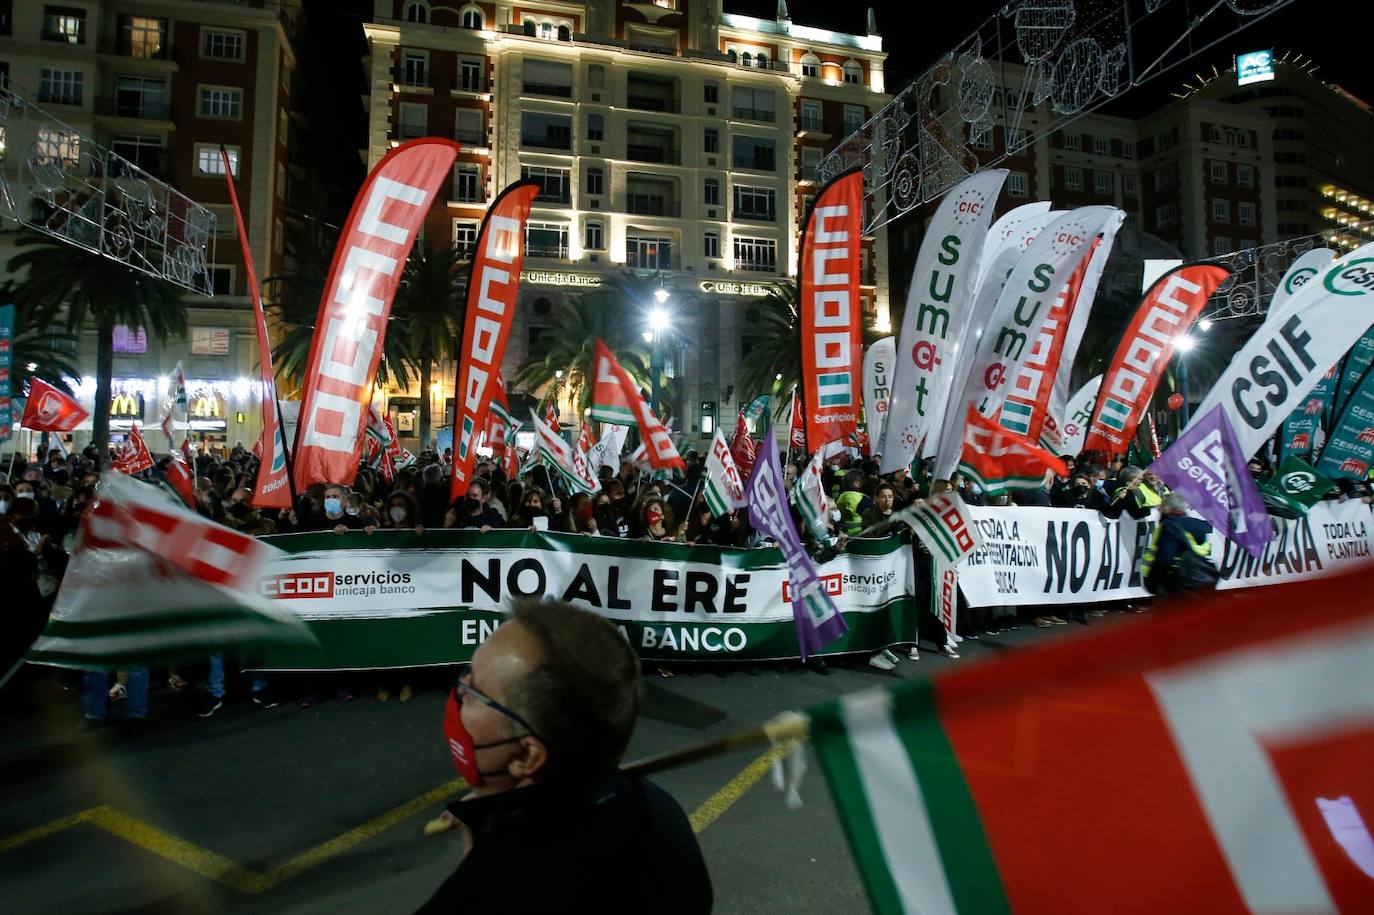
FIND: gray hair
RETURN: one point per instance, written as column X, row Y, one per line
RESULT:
column 1130, row 473
column 1174, row 504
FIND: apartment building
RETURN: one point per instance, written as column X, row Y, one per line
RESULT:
column 667, row 136
column 164, row 83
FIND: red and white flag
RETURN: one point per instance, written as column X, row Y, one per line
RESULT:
column 616, row 399
column 581, row 456
column 133, row 457
column 796, row 434
column 176, row 397
column 182, row 479
column 551, row 418
column 272, row 486
column 49, row 410
column 352, row 320
column 743, row 448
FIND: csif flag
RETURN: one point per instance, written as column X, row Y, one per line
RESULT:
column 271, row 488
column 615, row 399
column 830, row 309
column 133, row 457
column 1277, row 368
column 724, row 490
column 938, row 308
column 50, row 410
column 996, row 458
column 1230, row 746
column 352, row 319
column 493, row 286
column 1295, row 488
column 1165, row 314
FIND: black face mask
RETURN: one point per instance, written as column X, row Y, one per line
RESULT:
column 471, row 504
column 240, row 510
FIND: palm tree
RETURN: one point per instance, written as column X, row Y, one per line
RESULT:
column 776, row 331
column 100, row 291
column 429, row 308
column 611, row 312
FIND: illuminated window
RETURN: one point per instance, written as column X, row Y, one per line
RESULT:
column 63, row 145
column 208, row 161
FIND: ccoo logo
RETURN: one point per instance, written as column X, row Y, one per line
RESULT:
column 299, row 585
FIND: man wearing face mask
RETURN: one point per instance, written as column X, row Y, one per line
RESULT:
column 29, row 488
column 474, row 511
column 538, row 727
column 1080, row 493
column 244, row 518
column 336, row 517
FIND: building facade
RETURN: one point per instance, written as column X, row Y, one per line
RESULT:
column 667, row 137
column 164, row 83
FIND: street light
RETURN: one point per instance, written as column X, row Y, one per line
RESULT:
column 1183, row 345
column 659, row 322
column 1205, row 324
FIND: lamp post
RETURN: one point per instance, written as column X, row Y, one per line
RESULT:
column 658, row 323
column 1184, row 345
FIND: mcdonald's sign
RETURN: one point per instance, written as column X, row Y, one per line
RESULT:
column 126, row 406
column 207, row 406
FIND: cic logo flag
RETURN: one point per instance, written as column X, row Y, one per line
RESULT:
column 832, row 339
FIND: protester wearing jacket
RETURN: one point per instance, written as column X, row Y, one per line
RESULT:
column 1176, row 534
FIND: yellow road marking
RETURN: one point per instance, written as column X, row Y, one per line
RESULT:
column 245, row 880
column 734, row 789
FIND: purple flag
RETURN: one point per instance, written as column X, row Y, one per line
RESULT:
column 818, row 622
column 1207, row 467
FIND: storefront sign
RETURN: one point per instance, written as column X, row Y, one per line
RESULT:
column 209, row 341
column 718, row 287
column 130, row 339
column 126, row 406
column 559, row 278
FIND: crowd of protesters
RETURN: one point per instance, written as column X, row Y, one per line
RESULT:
column 42, row 505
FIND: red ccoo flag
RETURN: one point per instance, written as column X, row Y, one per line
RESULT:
column 49, row 410
column 133, row 457
column 743, row 449
column 615, row 399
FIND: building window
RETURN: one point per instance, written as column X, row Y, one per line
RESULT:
column 756, row 254
column 416, row 11
column 1218, row 172
column 593, row 237
column 1073, row 141
column 755, row 203
column 810, row 162
column 1245, row 175
column 596, row 127
column 747, row 59
column 546, row 77
column 220, row 278
column 1220, row 245
column 61, row 87
column 754, row 104
column 810, row 65
column 1166, row 215
column 980, row 140
column 143, row 37
column 1016, row 184
column 1221, row 211
column 1128, row 186
column 711, row 93
column 761, row 61
column 1102, row 182
column 553, row 182
column 546, row 131
column 278, row 236
column 812, row 117
column 1073, row 178
column 221, row 44
column 596, row 184
column 140, row 97
column 64, row 24
column 1102, row 146
column 649, row 252
column 464, row 238
column 853, row 73
column 470, row 129
column 281, row 181
column 470, row 75
column 467, row 183
column 754, row 153
column 220, row 102
column 415, row 68
column 472, row 18
column 1164, row 178
column 144, row 152
column 711, row 192
column 208, row 161
column 711, row 140
column 1128, row 149
column 596, row 76
column 413, row 122
column 60, row 145
column 710, row 244
column 1245, row 213
column 546, row 239
column 853, row 119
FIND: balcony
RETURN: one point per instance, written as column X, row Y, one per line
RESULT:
column 559, row 141
column 555, row 90
column 754, row 114
column 77, row 37
column 653, row 48
column 641, row 152
column 637, row 261
column 404, row 132
column 811, row 125
column 142, row 50
column 471, row 137
column 756, row 163
column 745, row 214
column 472, row 85
column 652, row 205
column 762, row 266
column 48, row 97
column 535, row 249
column 653, row 103
column 134, row 107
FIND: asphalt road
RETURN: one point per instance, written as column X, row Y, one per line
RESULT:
column 321, row 809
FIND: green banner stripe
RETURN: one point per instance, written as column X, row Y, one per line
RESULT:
column 968, row 862
column 620, row 416
column 715, row 501
column 159, row 622
column 832, row 744
column 942, row 540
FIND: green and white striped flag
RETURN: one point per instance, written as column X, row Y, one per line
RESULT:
column 944, row 526
column 724, row 488
column 809, row 495
column 555, row 454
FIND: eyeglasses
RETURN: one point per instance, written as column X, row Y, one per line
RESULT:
column 465, row 687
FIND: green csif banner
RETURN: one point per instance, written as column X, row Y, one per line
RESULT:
column 400, row 599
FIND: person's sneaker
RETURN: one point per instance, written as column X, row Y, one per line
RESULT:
column 914, row 653
column 1041, row 622
column 1057, row 621
column 177, row 682
column 207, row 705
column 1097, row 614
column 818, row 666
column 972, row 634
column 882, row 660
column 264, row 699
column 406, row 692
column 948, row 650
column 383, row 694
column 118, row 691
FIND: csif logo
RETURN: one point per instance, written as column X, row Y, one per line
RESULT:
column 1299, row 279
column 1298, row 481
column 299, row 585
column 1352, row 277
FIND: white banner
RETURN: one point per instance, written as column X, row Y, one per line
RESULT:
column 1039, row 556
column 879, row 362
column 1078, row 416
column 1307, row 267
column 1087, row 296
